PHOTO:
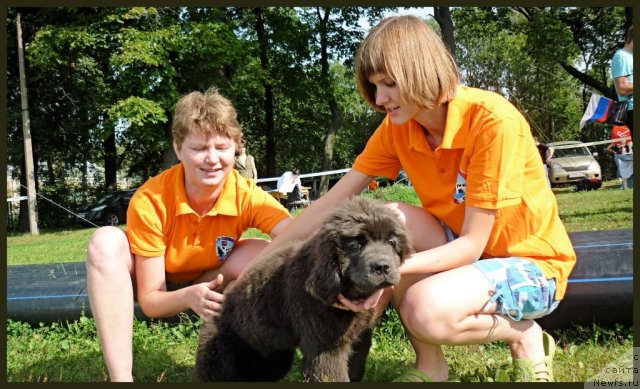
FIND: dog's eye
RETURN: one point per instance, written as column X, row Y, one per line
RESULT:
column 359, row 242
column 392, row 243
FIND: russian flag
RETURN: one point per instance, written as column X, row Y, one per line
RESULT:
column 597, row 110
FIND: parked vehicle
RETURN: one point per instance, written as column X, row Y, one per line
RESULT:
column 110, row 210
column 572, row 162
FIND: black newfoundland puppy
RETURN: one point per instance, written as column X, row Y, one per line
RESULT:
column 286, row 301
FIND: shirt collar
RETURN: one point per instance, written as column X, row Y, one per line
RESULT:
column 458, row 120
column 456, row 126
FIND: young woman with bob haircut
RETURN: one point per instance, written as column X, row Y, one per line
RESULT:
column 491, row 251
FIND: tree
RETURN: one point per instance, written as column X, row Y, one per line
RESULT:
column 531, row 55
column 442, row 15
column 597, row 32
column 335, row 42
column 33, row 213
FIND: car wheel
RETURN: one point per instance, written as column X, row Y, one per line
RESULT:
column 111, row 219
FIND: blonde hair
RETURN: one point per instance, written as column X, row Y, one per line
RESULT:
column 413, row 55
column 205, row 113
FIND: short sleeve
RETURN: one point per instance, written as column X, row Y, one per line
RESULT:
column 379, row 157
column 266, row 211
column 620, row 67
column 145, row 226
column 494, row 162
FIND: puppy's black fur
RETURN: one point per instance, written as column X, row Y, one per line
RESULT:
column 286, row 301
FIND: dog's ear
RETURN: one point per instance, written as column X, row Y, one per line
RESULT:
column 406, row 245
column 324, row 280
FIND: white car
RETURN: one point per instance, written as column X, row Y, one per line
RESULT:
column 571, row 162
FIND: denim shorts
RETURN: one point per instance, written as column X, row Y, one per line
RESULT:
column 520, row 289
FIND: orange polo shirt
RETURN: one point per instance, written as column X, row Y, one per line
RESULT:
column 488, row 159
column 160, row 222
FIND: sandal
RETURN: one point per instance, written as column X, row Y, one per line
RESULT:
column 415, row 375
column 540, row 370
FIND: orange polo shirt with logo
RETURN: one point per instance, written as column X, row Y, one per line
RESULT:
column 160, row 222
column 488, row 159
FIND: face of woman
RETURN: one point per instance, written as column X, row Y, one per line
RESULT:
column 207, row 160
column 388, row 96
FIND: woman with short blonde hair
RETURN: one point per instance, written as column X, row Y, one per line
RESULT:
column 491, row 251
column 414, row 56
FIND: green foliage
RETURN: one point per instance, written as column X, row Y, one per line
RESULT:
column 138, row 111
column 49, row 214
column 501, row 50
column 94, row 72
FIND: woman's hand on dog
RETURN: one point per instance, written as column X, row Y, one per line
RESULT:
column 207, row 303
column 359, row 305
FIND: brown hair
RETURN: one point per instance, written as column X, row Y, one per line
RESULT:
column 205, row 113
column 413, row 55
column 629, row 35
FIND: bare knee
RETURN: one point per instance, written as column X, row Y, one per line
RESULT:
column 108, row 248
column 425, row 230
column 425, row 318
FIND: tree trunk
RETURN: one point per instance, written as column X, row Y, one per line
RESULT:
column 592, row 82
column 336, row 113
column 26, row 132
column 269, row 123
column 443, row 17
column 169, row 157
column 23, row 214
column 85, row 184
column 110, row 162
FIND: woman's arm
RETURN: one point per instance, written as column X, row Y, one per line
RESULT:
column 156, row 301
column 624, row 86
column 476, row 228
column 312, row 217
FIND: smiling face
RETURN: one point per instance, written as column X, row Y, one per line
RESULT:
column 413, row 56
column 387, row 96
column 207, row 160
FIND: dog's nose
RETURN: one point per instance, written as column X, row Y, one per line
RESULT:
column 382, row 268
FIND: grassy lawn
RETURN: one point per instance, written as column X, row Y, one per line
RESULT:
column 163, row 352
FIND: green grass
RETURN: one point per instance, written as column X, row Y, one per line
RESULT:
column 48, row 247
column 166, row 353
column 163, row 352
column 605, row 209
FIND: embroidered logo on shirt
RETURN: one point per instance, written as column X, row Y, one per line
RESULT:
column 461, row 188
column 224, row 244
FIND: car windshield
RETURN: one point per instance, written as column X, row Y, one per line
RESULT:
column 108, row 198
column 580, row 151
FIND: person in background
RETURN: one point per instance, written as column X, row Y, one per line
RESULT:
column 492, row 254
column 288, row 181
column 182, row 244
column 290, row 185
column 244, row 163
column 622, row 74
column 546, row 153
column 622, row 149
